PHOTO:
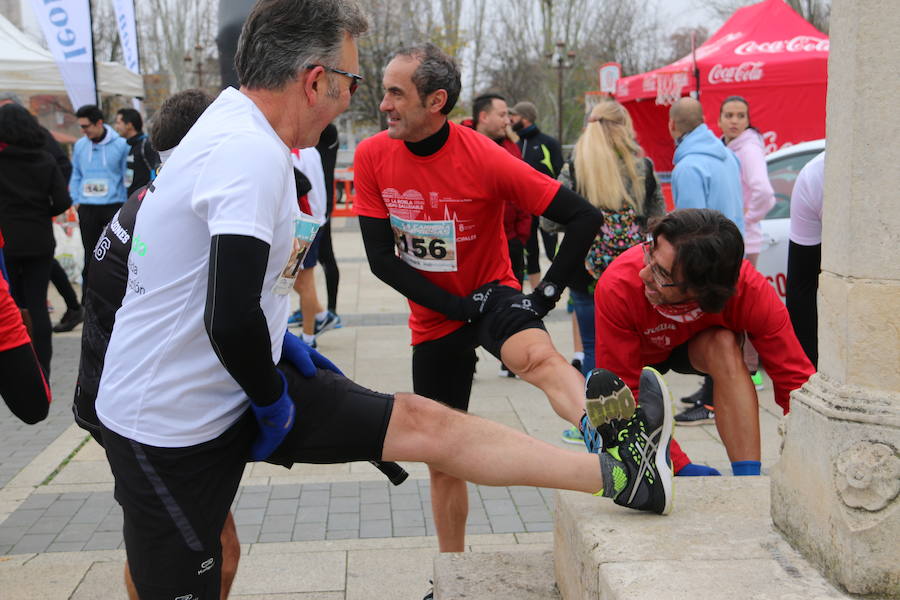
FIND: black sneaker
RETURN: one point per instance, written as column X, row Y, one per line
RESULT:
column 607, row 402
column 70, row 320
column 576, row 362
column 704, row 395
column 430, row 594
column 638, row 472
column 700, row 414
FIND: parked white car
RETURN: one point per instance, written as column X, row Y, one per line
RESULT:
column 783, row 165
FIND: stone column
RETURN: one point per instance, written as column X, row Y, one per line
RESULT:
column 835, row 489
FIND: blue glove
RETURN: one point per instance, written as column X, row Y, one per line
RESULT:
column 304, row 358
column 275, row 421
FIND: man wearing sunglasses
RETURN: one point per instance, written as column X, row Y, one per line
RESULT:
column 687, row 301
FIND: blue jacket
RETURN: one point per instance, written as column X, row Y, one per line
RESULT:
column 708, row 175
column 98, row 170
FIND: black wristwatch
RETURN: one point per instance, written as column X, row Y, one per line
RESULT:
column 548, row 290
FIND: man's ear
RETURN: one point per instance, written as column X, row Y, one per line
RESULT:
column 312, row 81
column 437, row 101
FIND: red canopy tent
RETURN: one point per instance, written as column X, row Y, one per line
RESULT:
column 766, row 53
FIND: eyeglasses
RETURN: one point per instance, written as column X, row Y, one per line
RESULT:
column 660, row 278
column 354, row 84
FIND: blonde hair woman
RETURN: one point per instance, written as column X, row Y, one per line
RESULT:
column 609, row 169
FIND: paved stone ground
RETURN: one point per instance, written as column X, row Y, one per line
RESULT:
column 75, row 521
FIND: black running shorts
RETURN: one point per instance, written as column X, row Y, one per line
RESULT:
column 443, row 368
column 175, row 501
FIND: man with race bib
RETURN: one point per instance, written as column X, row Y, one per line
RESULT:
column 430, row 199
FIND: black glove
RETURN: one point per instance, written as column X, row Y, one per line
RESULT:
column 483, row 300
column 543, row 298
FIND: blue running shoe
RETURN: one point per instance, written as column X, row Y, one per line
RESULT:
column 296, row 318
column 331, row 321
column 572, row 435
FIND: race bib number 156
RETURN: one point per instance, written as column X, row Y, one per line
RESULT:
column 426, row 245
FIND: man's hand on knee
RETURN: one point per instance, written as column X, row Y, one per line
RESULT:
column 304, row 357
column 275, row 421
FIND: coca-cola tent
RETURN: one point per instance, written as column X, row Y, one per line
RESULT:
column 766, row 53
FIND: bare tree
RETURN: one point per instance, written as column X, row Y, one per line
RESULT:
column 684, row 39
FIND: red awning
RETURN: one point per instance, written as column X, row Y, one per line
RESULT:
column 766, row 53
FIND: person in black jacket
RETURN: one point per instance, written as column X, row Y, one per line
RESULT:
column 74, row 313
column 143, row 161
column 32, row 191
column 544, row 154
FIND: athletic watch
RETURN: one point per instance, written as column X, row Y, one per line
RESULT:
column 548, row 290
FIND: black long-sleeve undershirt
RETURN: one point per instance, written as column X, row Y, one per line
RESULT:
column 234, row 319
column 581, row 219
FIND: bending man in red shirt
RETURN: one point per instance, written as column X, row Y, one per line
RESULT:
column 686, row 301
column 430, row 195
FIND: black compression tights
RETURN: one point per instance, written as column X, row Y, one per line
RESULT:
column 22, row 384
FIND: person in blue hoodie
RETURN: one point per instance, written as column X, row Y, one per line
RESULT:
column 97, row 184
column 706, row 174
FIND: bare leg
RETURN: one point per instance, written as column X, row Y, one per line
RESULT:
column 531, row 355
column 481, row 451
column 716, row 352
column 305, row 285
column 231, row 554
column 450, row 507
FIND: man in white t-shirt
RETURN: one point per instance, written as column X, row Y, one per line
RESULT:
column 200, row 374
column 805, row 254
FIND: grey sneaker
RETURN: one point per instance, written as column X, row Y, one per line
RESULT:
column 638, row 472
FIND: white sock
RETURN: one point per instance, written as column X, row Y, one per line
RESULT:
column 308, row 338
column 578, row 356
column 321, row 316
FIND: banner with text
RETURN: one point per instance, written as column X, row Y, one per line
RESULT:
column 67, row 28
column 127, row 26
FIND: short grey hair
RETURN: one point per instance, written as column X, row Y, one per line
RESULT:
column 280, row 37
column 436, row 71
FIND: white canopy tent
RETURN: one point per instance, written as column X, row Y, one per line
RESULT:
column 27, row 68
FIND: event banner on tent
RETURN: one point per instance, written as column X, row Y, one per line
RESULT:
column 67, row 27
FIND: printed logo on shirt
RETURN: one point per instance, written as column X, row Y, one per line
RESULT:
column 102, row 248
column 206, row 565
column 118, row 230
column 426, row 245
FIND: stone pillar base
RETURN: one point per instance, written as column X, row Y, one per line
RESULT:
column 835, row 489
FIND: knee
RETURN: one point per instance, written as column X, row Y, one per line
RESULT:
column 720, row 350
column 419, row 415
column 537, row 357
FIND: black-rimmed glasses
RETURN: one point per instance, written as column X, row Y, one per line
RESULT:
column 354, row 84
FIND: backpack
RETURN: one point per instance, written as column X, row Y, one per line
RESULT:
column 621, row 230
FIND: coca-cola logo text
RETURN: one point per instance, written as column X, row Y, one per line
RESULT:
column 770, row 141
column 747, row 71
column 800, row 43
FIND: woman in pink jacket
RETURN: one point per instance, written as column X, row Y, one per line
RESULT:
column 746, row 142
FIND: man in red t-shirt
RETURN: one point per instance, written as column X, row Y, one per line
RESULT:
column 687, row 301
column 430, row 199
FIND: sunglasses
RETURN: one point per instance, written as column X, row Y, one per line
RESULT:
column 354, row 84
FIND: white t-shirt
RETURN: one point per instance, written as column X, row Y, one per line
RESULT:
column 309, row 162
column 162, row 383
column 806, row 203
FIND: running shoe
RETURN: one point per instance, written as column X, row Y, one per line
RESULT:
column 505, row 372
column 429, row 595
column 576, row 362
column 701, row 396
column 757, row 381
column 699, row 414
column 572, row 435
column 331, row 321
column 70, row 320
column 296, row 318
column 607, row 402
column 638, row 472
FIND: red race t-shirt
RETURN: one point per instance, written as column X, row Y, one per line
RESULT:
column 446, row 211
